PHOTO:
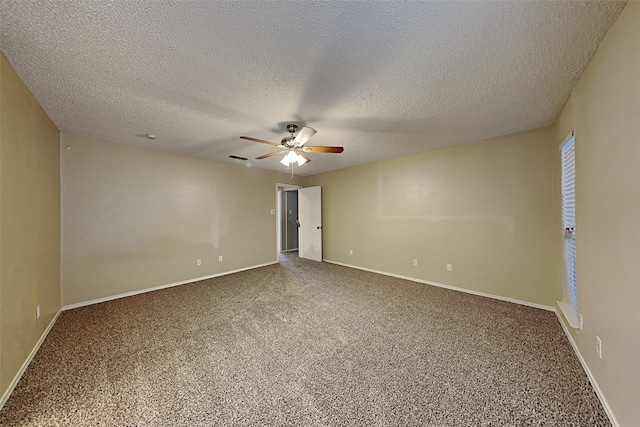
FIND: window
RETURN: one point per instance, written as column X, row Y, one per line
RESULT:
column 568, row 191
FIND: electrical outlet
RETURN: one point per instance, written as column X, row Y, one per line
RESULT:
column 449, row 267
column 198, row 262
column 38, row 311
column 220, row 258
column 350, row 251
column 599, row 346
column 415, row 262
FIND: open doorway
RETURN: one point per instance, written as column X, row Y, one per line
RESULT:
column 287, row 213
column 289, row 229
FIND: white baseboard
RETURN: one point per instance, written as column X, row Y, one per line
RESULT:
column 592, row 379
column 453, row 288
column 156, row 288
column 26, row 363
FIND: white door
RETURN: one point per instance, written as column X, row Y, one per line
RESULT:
column 310, row 216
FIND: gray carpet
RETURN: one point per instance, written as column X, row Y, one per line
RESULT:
column 305, row 344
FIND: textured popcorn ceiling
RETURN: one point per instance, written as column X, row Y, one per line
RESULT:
column 380, row 78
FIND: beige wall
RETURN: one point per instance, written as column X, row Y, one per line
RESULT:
column 136, row 218
column 486, row 208
column 604, row 111
column 29, row 222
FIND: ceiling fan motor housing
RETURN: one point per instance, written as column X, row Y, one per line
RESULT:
column 287, row 141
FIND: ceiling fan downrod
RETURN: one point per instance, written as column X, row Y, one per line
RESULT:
column 292, row 128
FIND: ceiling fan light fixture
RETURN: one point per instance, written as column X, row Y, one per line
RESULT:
column 301, row 160
column 293, row 157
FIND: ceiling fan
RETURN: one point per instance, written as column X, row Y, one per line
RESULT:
column 294, row 146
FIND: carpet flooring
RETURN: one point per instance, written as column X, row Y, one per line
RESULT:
column 306, row 344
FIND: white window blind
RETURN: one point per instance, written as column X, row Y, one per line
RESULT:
column 568, row 153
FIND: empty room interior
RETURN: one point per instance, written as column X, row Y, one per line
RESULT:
column 464, row 175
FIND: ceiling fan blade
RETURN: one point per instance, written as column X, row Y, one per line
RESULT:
column 303, row 136
column 301, row 153
column 275, row 153
column 321, row 149
column 262, row 141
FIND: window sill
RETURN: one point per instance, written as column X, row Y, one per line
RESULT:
column 569, row 313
